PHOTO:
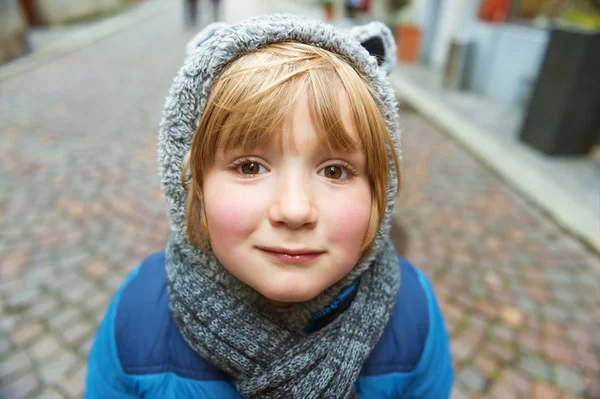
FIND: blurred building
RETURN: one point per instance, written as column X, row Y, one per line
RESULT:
column 17, row 17
column 506, row 47
column 521, row 53
column 13, row 29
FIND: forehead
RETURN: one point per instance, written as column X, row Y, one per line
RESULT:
column 310, row 118
column 301, row 130
column 264, row 102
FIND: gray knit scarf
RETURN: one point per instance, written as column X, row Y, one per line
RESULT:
column 266, row 358
column 228, row 323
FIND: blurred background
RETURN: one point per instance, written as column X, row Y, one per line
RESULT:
column 500, row 105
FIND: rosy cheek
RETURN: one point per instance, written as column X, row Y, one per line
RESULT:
column 348, row 221
column 230, row 210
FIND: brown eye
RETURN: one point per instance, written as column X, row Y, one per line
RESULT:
column 333, row 172
column 251, row 168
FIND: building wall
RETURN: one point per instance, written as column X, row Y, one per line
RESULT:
column 427, row 15
column 454, row 18
column 506, row 60
column 12, row 30
column 53, row 12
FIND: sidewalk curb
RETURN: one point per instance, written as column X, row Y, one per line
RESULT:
column 546, row 193
column 86, row 36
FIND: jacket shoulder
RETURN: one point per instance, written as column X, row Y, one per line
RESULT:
column 147, row 339
column 403, row 340
column 412, row 358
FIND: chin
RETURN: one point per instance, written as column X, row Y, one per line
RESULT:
column 289, row 293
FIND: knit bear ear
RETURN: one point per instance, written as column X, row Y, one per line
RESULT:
column 379, row 42
column 203, row 36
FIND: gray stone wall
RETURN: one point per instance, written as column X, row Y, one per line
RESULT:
column 54, row 12
column 13, row 40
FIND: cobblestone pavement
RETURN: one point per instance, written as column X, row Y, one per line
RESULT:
column 520, row 296
column 80, row 206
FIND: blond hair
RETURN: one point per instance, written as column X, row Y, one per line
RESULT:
column 253, row 95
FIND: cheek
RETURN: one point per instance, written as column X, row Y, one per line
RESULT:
column 348, row 219
column 229, row 217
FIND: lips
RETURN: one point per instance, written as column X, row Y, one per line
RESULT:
column 294, row 256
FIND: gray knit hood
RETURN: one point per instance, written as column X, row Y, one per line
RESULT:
column 206, row 55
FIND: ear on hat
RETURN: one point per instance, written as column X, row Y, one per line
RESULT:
column 379, row 42
column 203, row 36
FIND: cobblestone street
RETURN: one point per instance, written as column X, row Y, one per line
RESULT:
column 81, row 205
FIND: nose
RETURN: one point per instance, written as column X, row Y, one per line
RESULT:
column 293, row 205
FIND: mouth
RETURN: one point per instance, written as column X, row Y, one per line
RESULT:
column 294, row 256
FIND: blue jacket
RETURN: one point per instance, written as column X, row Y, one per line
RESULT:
column 138, row 352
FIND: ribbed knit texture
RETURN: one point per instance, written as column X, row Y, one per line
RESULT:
column 266, row 358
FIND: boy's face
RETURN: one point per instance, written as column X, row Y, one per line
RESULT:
column 289, row 224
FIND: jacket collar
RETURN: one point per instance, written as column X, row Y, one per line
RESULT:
column 329, row 313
